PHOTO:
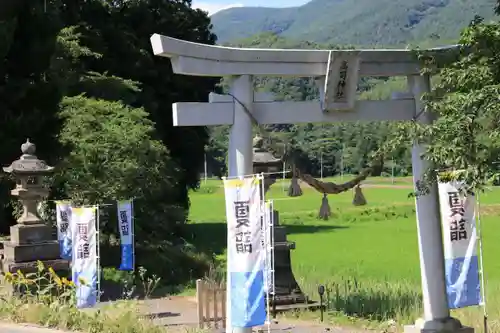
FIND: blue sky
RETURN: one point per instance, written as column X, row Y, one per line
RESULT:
column 213, row 6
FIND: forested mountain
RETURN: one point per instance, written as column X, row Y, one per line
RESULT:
column 355, row 22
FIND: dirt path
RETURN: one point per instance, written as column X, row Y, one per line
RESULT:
column 368, row 185
column 178, row 313
column 387, row 186
column 24, row 328
column 174, row 311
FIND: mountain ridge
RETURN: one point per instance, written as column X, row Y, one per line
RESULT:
column 359, row 22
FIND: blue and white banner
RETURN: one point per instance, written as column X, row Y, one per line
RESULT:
column 126, row 227
column 63, row 220
column 245, row 252
column 460, row 251
column 84, row 268
column 268, row 226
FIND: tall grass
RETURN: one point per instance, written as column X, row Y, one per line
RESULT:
column 369, row 299
column 46, row 299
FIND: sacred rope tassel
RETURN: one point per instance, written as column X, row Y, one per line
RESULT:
column 359, row 198
column 294, row 189
column 324, row 211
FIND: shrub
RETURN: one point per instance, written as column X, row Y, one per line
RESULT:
column 113, row 154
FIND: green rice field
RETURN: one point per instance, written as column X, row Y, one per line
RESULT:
column 366, row 256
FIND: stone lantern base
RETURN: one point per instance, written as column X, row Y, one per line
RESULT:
column 58, row 265
column 29, row 244
column 30, row 233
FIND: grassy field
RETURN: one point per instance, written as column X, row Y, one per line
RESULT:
column 366, row 256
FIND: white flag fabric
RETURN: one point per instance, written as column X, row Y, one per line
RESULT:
column 245, row 252
column 126, row 228
column 84, row 268
column 460, row 251
column 63, row 220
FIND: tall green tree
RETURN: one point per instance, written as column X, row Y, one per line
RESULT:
column 120, row 31
column 29, row 98
column 113, row 155
column 466, row 133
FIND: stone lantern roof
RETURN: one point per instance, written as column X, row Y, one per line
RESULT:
column 262, row 157
column 28, row 163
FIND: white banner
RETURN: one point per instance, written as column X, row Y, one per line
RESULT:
column 63, row 220
column 84, row 268
column 460, row 250
column 126, row 228
column 245, row 252
column 268, row 226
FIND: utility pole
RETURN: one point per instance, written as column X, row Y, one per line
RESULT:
column 321, row 164
column 205, row 167
column 392, row 171
column 283, row 180
column 342, row 162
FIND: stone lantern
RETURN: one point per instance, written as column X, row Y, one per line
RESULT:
column 31, row 239
column 288, row 296
column 264, row 162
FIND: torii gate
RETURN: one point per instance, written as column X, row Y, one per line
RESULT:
column 337, row 72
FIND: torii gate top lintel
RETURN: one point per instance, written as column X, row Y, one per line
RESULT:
column 336, row 72
column 197, row 59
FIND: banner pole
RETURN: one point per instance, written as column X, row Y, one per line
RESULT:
column 267, row 240
column 273, row 269
column 98, row 249
column 481, row 264
column 228, row 273
column 265, row 229
column 132, row 222
column 262, row 187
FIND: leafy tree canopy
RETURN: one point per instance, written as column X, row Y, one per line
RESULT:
column 466, row 134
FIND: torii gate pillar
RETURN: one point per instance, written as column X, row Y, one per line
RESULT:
column 240, row 138
column 240, row 155
column 430, row 238
column 205, row 60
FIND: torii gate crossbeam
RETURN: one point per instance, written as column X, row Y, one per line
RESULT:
column 196, row 59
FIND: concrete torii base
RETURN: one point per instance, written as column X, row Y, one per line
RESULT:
column 449, row 325
column 415, row 329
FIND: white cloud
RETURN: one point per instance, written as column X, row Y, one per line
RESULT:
column 213, row 8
